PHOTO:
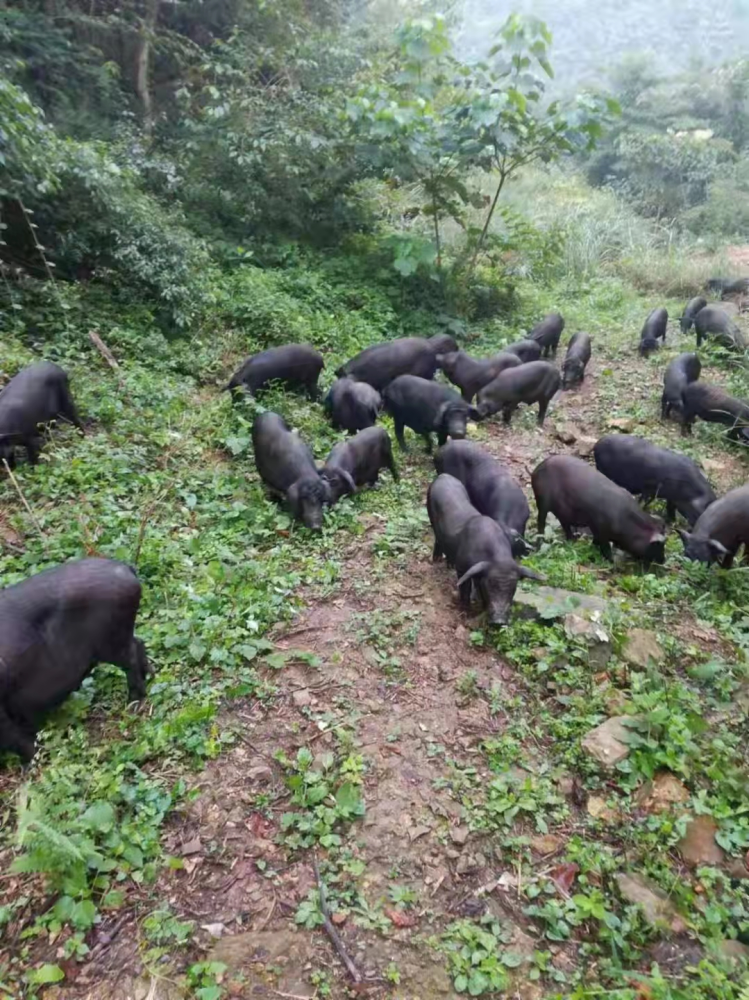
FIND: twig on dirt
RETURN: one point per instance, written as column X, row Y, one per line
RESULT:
column 24, row 501
column 268, row 915
column 110, row 359
column 110, row 936
column 330, row 930
column 290, row 996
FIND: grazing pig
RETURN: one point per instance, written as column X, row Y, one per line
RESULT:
column 713, row 404
column 477, row 547
column 728, row 286
column 35, row 396
column 534, row 382
column 715, row 322
column 721, row 530
column 692, row 308
column 425, row 407
column 679, row 373
column 298, row 365
column 357, row 462
column 582, row 497
column 653, row 330
column 442, row 343
column 526, row 350
column 380, row 364
column 352, row 405
column 643, row 469
column 55, row 627
column 490, row 487
column 575, row 360
column 288, row 469
column 471, row 374
column 547, row 333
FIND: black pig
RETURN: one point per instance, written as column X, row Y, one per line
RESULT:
column 692, row 308
column 534, row 382
column 55, row 627
column 380, row 364
column 643, row 469
column 357, row 462
column 477, row 547
column 471, row 374
column 575, row 360
column 526, row 350
column 287, row 467
column 582, row 497
column 427, row 407
column 33, row 397
column 721, row 530
column 352, row 405
column 547, row 333
column 679, row 373
column 297, row 365
column 715, row 322
column 442, row 343
column 653, row 330
column 490, row 487
column 713, row 404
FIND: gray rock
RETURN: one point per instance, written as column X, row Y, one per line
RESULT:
column 640, row 647
column 607, row 743
column 599, row 645
column 302, row 698
column 657, row 908
column 553, row 603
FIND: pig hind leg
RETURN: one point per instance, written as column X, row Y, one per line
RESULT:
column 15, row 738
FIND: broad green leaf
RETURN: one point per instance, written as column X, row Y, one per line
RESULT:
column 44, row 975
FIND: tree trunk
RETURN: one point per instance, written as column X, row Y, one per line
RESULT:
column 142, row 62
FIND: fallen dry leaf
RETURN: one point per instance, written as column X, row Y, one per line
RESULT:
column 563, row 876
column 400, row 918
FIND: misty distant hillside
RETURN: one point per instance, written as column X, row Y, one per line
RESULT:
column 592, row 35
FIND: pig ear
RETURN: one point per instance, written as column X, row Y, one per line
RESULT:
column 717, row 546
column 349, row 481
column 475, row 570
column 441, row 413
column 529, row 574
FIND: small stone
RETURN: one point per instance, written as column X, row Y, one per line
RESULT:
column 607, row 742
column 584, row 446
column 459, row 834
column 598, row 808
column 215, row 930
column 192, row 847
column 261, row 773
column 599, row 647
column 302, row 698
column 465, row 864
column 546, row 843
column 418, row 831
column 657, row 908
column 664, row 791
column 567, row 433
column 481, row 860
column 339, row 918
column 734, row 950
column 737, row 869
column 698, row 846
column 641, row 647
column 624, row 424
column 566, row 785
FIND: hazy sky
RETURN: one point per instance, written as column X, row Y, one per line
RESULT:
column 590, row 35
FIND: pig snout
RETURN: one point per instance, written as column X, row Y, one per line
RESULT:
column 456, row 426
column 312, row 516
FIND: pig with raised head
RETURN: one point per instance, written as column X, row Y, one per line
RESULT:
column 692, row 308
column 713, row 404
column 471, row 374
column 380, row 364
column 286, row 466
column 55, row 627
column 721, row 530
column 357, row 462
column 679, row 373
column 477, row 547
column 654, row 329
column 526, row 350
column 575, row 360
column 714, row 322
column 581, row 497
column 442, row 343
column 352, row 405
column 490, row 487
column 427, row 408
column 296, row 365
column 534, row 382
column 646, row 470
column 32, row 398
column 547, row 333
